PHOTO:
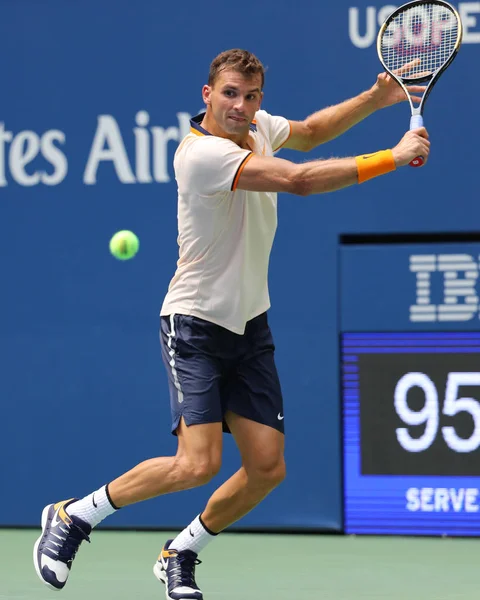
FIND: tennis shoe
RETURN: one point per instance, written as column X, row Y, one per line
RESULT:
column 57, row 546
column 177, row 571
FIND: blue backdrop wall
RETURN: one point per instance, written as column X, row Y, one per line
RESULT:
column 95, row 97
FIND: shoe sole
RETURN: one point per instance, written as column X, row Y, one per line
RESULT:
column 161, row 575
column 35, row 550
column 159, row 572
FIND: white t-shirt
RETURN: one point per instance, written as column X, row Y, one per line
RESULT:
column 225, row 234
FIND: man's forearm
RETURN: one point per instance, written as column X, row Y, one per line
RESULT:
column 318, row 177
column 329, row 123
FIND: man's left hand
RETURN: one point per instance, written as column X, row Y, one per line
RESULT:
column 387, row 92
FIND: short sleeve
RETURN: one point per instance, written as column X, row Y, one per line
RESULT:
column 278, row 128
column 212, row 165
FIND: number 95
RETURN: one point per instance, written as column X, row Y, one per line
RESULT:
column 429, row 414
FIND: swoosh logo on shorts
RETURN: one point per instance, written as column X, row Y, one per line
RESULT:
column 280, row 417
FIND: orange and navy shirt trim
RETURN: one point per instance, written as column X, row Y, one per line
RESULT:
column 286, row 139
column 195, row 125
column 239, row 171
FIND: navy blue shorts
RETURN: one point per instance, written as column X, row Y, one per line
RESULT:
column 212, row 370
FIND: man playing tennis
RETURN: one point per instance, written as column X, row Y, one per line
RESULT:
column 216, row 343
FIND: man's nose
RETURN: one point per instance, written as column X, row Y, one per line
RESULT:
column 239, row 104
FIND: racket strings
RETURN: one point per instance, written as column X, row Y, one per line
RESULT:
column 423, row 36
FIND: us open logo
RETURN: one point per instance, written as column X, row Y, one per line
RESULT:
column 363, row 24
column 459, row 276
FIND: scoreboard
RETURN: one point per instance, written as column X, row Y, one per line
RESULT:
column 410, row 386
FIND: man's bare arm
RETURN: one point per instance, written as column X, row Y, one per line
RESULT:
column 329, row 123
column 268, row 174
column 271, row 174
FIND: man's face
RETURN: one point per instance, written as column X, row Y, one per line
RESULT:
column 234, row 100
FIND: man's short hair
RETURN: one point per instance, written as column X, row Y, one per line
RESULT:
column 238, row 60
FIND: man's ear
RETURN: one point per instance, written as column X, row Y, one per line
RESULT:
column 206, row 93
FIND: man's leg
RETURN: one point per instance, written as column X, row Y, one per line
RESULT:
column 261, row 448
column 263, row 468
column 66, row 524
column 198, row 459
column 255, row 418
column 194, row 376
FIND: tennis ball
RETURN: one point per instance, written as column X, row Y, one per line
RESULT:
column 124, row 245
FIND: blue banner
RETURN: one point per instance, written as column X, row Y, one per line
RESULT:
column 96, row 97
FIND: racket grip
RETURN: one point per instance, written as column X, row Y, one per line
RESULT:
column 415, row 122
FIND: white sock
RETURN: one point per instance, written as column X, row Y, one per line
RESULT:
column 93, row 508
column 194, row 537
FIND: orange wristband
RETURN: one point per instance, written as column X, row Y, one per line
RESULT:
column 373, row 165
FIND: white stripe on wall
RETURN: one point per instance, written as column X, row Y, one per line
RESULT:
column 171, row 351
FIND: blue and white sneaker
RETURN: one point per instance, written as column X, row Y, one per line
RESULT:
column 55, row 549
column 177, row 571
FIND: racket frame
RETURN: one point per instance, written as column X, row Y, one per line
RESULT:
column 431, row 79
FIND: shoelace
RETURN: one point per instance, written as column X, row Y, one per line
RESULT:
column 73, row 539
column 182, row 572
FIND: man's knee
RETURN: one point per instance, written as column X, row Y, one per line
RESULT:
column 268, row 474
column 199, row 453
column 199, row 470
column 277, row 474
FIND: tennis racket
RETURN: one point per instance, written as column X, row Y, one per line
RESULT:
column 417, row 42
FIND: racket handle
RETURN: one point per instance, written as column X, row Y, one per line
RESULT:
column 416, row 121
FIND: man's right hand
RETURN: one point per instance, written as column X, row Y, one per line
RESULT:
column 414, row 143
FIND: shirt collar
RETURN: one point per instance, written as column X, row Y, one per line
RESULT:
column 197, row 129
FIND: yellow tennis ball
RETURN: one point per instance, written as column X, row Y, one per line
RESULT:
column 124, row 245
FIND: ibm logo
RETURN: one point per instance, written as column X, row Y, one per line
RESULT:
column 459, row 273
